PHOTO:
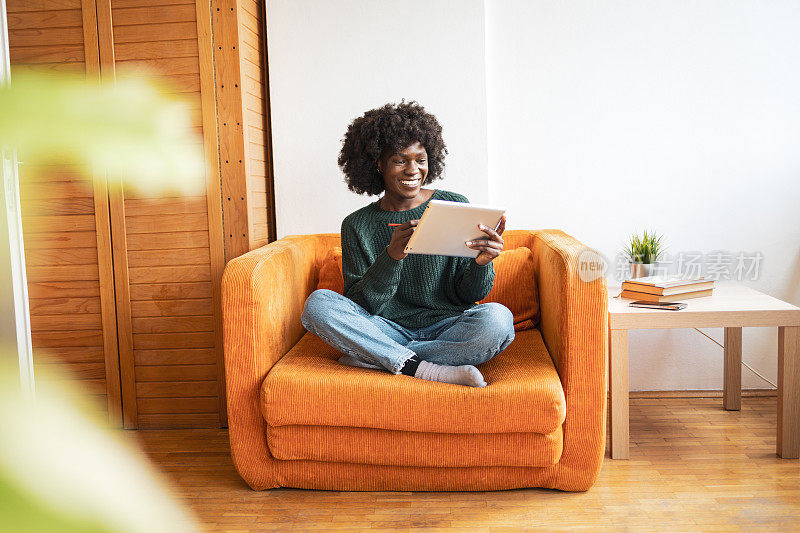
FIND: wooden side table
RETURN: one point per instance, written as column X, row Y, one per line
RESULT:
column 732, row 307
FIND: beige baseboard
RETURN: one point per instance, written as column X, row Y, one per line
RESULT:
column 746, row 393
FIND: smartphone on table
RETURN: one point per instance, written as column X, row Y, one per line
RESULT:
column 670, row 306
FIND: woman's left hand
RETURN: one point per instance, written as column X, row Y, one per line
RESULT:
column 491, row 246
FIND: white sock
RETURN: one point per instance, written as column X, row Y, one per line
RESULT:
column 460, row 375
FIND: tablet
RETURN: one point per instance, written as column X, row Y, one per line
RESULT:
column 446, row 226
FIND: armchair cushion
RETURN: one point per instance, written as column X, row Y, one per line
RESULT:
column 515, row 286
column 330, row 273
column 372, row 446
column 308, row 386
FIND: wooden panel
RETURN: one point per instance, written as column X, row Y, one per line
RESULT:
column 229, row 115
column 258, row 201
column 118, row 250
column 183, row 83
column 64, row 236
column 108, row 295
column 166, row 223
column 66, row 323
column 168, row 249
column 47, row 223
column 64, row 239
column 155, row 32
column 255, row 121
column 55, row 181
column 52, row 173
column 172, row 65
column 40, row 37
column 67, row 53
column 171, row 291
column 170, row 273
column 152, row 15
column 154, row 341
column 56, row 339
column 173, row 324
column 64, row 256
column 95, row 372
column 83, row 354
column 54, row 18
column 143, row 3
column 165, row 206
column 260, row 218
column 256, row 151
column 177, row 373
column 41, row 5
column 51, row 306
column 65, row 206
column 180, row 420
column 179, row 256
column 75, row 68
column 181, row 356
column 194, row 307
column 177, row 405
column 156, row 50
column 168, row 241
column 176, row 389
column 62, row 289
column 63, row 273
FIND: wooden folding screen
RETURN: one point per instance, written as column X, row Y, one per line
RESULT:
column 139, row 276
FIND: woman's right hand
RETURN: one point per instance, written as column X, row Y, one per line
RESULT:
column 400, row 237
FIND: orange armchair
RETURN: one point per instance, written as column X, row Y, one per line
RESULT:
column 299, row 418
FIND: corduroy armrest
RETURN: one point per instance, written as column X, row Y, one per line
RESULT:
column 263, row 293
column 574, row 326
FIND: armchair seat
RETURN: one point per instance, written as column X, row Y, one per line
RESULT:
column 318, row 409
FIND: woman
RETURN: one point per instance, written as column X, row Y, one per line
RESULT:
column 409, row 314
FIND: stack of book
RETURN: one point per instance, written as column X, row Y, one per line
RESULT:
column 666, row 288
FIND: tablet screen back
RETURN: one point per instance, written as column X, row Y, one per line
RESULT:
column 446, row 226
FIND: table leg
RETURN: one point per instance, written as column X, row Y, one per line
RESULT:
column 788, row 441
column 732, row 387
column 618, row 411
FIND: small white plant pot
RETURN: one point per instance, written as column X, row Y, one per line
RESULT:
column 641, row 270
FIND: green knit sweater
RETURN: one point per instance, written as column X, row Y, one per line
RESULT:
column 416, row 291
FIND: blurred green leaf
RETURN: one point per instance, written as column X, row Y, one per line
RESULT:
column 61, row 470
column 133, row 129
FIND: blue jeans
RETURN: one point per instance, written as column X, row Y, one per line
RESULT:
column 472, row 338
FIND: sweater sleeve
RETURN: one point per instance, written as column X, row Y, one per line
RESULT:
column 474, row 281
column 370, row 284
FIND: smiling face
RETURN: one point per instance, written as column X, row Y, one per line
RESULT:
column 404, row 172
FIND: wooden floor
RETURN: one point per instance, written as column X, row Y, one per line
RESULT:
column 693, row 467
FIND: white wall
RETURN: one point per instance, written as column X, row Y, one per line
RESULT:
column 603, row 118
column 330, row 61
column 682, row 116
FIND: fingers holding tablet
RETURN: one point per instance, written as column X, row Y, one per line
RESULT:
column 491, row 246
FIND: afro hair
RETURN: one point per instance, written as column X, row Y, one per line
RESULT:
column 385, row 130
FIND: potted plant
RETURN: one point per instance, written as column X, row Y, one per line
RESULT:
column 643, row 253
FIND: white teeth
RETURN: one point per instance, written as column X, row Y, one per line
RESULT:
column 409, row 182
